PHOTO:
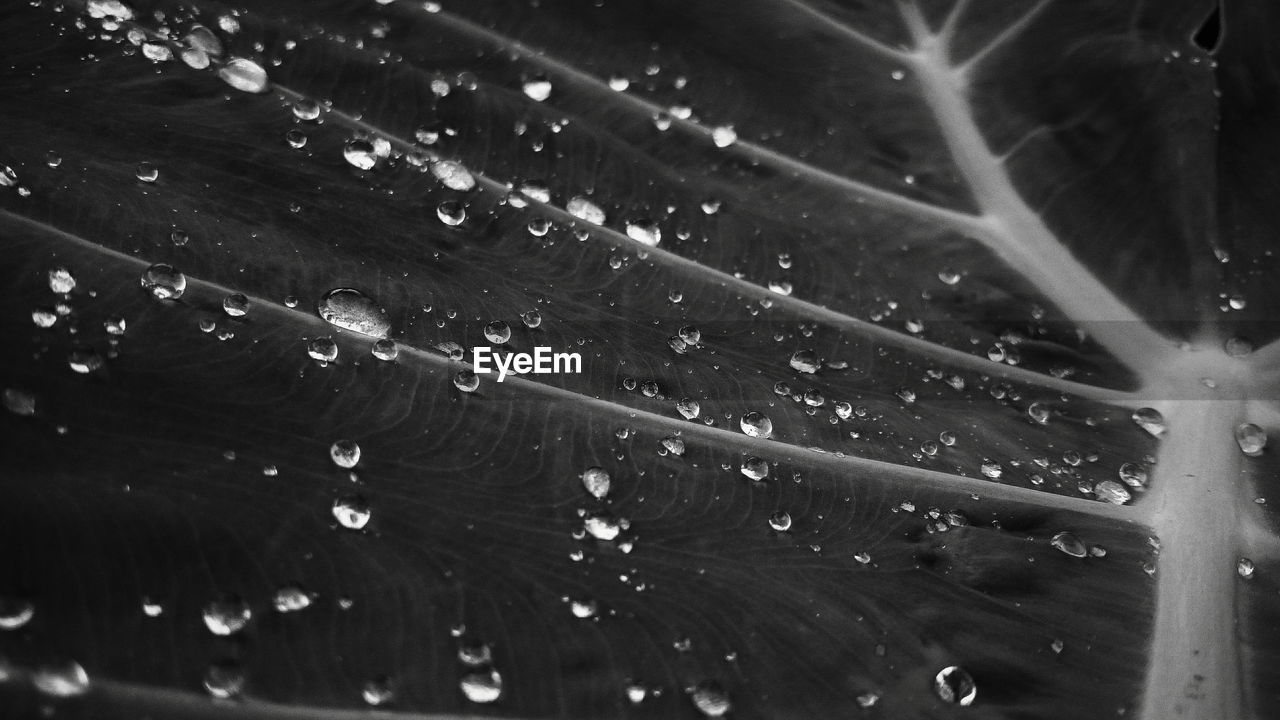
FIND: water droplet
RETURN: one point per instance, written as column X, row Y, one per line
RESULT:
column 164, row 282
column 236, row 305
column 323, row 349
column 992, row 469
column 1069, row 544
column 1112, row 492
column 85, row 360
column 537, row 90
column 584, row 609
column 497, row 332
column 466, row 381
column 1149, row 419
column 224, row 679
column 636, row 693
column 954, row 685
column 596, row 481
column 157, row 52
column 1251, row 438
column 1245, row 568
column 360, row 154
column 780, row 521
column 482, row 687
column 451, row 213
column 756, row 424
column 948, row 276
column 710, row 699
column 531, row 319
column 194, row 58
column 1238, row 347
column 946, row 437
column 1133, row 475
column 385, row 350
column 645, row 232
column 453, row 175
column 44, row 317
column 61, row 280
column 755, row 468
column 19, row 402
column 724, row 136
column 673, row 445
column 115, row 325
column 113, row 9
column 353, row 310
column 291, row 598
column 351, row 511
column 583, row 209
column 244, row 75
column 805, row 361
column 689, row 408
column 345, row 453
column 601, row 526
column 67, row 679
column 306, row 109
column 1038, row 412
column 202, row 38
column 378, row 691
column 474, row 654
column 151, row 608
column 227, row 614
column 296, row 138
column 15, row 613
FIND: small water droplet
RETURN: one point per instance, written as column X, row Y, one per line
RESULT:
column 724, row 136
column 385, row 350
column 345, row 453
column 224, row 679
column 351, row 511
column 645, row 232
column 1133, row 475
column 584, row 609
column 306, row 109
column 596, row 481
column 291, row 598
column 780, row 521
column 61, row 280
column 1038, row 412
column 164, row 282
column 756, row 424
column 482, row 687
column 227, row 614
column 244, row 75
column 601, row 526
column 360, row 154
column 296, row 138
column 85, row 360
column 19, row 402
column 353, row 310
column 583, row 209
column 453, row 175
column 537, row 90
column 497, row 332
column 1251, row 438
column 689, row 408
column 1069, row 544
column 451, row 213
column 1112, row 492
column 710, row 699
column 1149, row 419
column 755, row 468
column 15, row 613
column 1245, row 568
column 466, row 381
column 323, row 350
column 157, row 52
column 954, row 685
column 531, row 319
column 378, row 691
column 236, row 305
column 109, row 9
column 151, row 608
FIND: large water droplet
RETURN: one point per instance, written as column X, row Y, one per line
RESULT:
column 1251, row 438
column 645, row 232
column 755, row 468
column 1245, row 568
column 67, row 679
column 710, row 699
column 466, row 381
column 780, row 521
column 164, row 282
column 537, row 90
column 385, row 350
column 585, row 210
column 345, row 453
column 244, row 75
column 227, row 614
column 954, row 685
column 805, row 361
column 291, row 598
column 61, row 280
column 689, row 408
column 323, row 349
column 1112, row 492
column 482, row 687
column 351, row 511
column 596, row 481
column 453, row 175
column 724, row 136
column 224, row 679
column 1151, row 420
column 756, row 424
column 1069, row 544
column 360, row 154
column 1133, row 475
column 15, row 613
column 451, row 212
column 113, row 9
column 235, row 305
column 497, row 332
column 353, row 310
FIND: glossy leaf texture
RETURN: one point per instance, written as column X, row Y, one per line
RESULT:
column 995, row 231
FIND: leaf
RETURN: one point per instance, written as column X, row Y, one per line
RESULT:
column 949, row 250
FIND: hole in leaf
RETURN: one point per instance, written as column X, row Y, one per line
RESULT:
column 1210, row 33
